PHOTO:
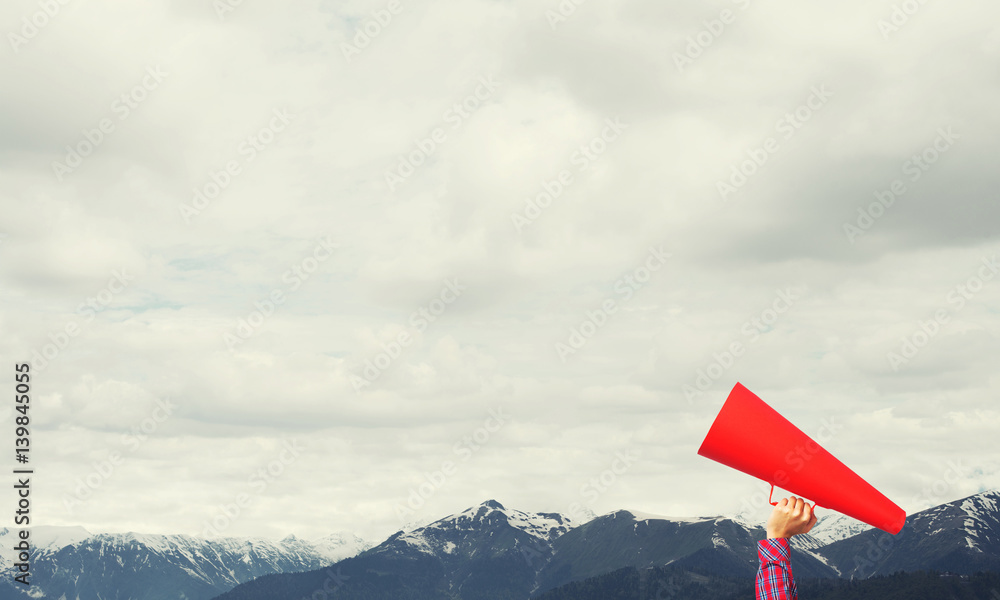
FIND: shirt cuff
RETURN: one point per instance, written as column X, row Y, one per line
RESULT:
column 773, row 550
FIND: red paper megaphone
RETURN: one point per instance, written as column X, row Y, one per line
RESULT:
column 750, row 436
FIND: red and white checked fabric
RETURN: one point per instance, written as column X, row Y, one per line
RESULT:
column 774, row 577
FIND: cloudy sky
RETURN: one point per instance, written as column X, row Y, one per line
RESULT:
column 355, row 264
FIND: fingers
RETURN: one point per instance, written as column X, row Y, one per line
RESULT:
column 791, row 516
column 797, row 506
column 812, row 518
column 807, row 513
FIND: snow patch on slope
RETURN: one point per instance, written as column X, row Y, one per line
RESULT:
column 418, row 541
column 823, row 560
column 718, row 542
column 545, row 526
column 979, row 510
column 835, row 527
column 641, row 516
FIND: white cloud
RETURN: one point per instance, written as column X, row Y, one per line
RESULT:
column 324, row 174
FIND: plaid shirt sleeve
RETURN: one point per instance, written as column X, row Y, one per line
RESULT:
column 774, row 578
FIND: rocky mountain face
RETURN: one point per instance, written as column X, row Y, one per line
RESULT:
column 959, row 537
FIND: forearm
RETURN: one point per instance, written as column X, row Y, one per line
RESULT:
column 774, row 577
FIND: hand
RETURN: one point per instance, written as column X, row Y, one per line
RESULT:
column 791, row 516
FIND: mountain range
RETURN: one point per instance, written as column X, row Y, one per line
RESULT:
column 70, row 562
column 491, row 552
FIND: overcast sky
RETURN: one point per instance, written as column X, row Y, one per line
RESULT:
column 329, row 238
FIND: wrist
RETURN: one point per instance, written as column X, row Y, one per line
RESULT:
column 773, row 535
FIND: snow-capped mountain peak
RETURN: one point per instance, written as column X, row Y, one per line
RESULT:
column 52, row 537
column 545, row 526
column 43, row 538
column 338, row 546
column 486, row 523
